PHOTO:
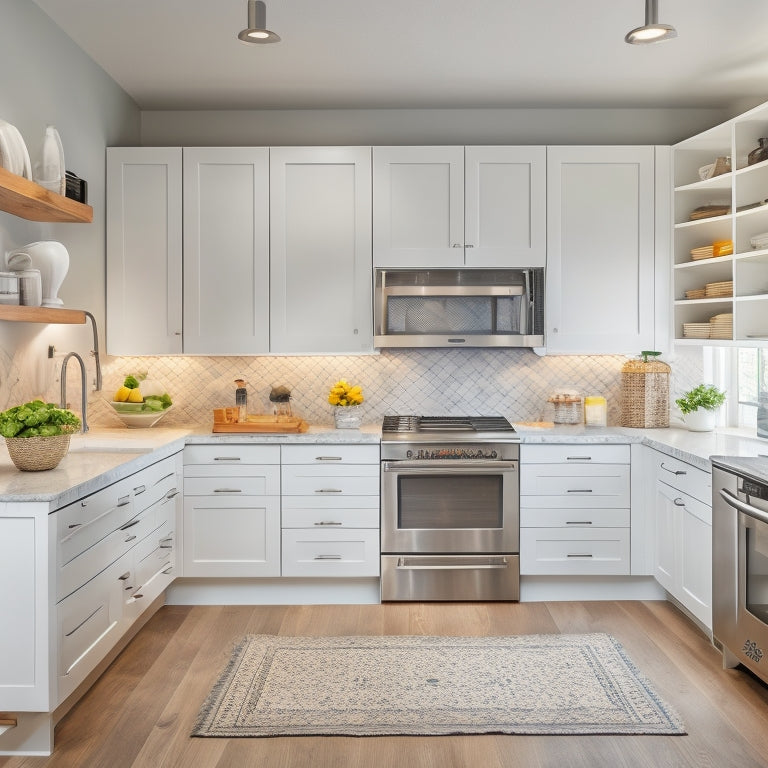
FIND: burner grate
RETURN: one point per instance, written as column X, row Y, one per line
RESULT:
column 446, row 423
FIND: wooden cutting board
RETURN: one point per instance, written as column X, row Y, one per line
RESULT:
column 258, row 423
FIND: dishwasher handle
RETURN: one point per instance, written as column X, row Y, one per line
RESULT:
column 742, row 506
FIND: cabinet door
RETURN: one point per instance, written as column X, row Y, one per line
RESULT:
column 320, row 250
column 226, row 250
column 505, row 203
column 230, row 536
column 144, row 251
column 696, row 560
column 666, row 515
column 418, row 207
column 600, row 257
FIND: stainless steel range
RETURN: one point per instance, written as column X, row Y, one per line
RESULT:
column 450, row 508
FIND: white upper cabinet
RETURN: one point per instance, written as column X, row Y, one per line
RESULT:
column 602, row 252
column 320, row 250
column 505, row 221
column 226, row 250
column 459, row 207
column 144, row 251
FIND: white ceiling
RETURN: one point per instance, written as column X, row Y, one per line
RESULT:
column 184, row 54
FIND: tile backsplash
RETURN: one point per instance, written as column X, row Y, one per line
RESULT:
column 513, row 383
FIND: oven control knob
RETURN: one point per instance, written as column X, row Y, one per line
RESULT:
column 494, row 454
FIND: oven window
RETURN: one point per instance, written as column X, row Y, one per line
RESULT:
column 757, row 570
column 450, row 501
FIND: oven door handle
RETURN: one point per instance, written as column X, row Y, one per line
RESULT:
column 747, row 509
column 467, row 466
column 423, row 564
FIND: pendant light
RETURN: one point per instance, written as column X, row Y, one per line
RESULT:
column 651, row 31
column 257, row 31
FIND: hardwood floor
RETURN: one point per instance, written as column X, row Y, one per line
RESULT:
column 141, row 710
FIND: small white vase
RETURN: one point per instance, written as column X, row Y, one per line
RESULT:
column 347, row 416
column 700, row 420
column 51, row 258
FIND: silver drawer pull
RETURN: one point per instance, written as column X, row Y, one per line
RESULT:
column 139, row 489
column 578, row 522
column 129, row 538
column 328, row 557
column 227, row 490
column 125, row 576
column 166, row 540
column 137, row 597
column 166, row 546
column 327, row 458
column 83, row 503
column 328, row 490
column 74, row 525
column 579, row 555
column 479, row 563
column 579, row 490
column 328, row 522
column 123, row 501
column 168, row 569
column 673, row 471
column 130, row 525
column 172, row 493
column 578, row 458
column 226, row 458
column 678, row 502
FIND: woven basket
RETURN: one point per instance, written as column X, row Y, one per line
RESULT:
column 645, row 394
column 32, row 454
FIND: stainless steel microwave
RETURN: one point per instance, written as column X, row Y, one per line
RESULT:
column 459, row 307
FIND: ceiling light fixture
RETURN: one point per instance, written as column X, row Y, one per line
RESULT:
column 257, row 31
column 651, row 31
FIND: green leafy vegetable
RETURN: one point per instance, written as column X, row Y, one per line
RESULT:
column 131, row 382
column 37, row 418
column 705, row 396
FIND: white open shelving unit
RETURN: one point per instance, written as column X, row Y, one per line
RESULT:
column 748, row 268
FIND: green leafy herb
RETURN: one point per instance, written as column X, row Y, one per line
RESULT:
column 706, row 396
column 37, row 418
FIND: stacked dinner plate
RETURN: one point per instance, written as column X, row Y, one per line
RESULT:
column 721, row 326
column 696, row 330
column 13, row 151
column 723, row 289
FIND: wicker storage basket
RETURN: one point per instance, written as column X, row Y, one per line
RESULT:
column 645, row 394
column 32, row 454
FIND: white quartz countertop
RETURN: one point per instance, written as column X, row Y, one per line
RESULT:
column 103, row 456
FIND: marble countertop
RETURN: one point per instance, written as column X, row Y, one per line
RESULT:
column 103, row 456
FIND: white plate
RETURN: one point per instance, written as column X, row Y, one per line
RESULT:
column 13, row 151
column 26, row 165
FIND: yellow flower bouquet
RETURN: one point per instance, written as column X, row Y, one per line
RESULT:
column 344, row 394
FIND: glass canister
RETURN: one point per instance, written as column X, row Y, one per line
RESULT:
column 595, row 411
column 568, row 408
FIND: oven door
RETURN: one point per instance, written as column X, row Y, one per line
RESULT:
column 450, row 507
column 740, row 599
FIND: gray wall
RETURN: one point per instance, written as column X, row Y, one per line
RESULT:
column 424, row 126
column 48, row 79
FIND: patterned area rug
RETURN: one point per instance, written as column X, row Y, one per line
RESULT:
column 367, row 686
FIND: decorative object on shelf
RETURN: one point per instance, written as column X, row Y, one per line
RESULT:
column 50, row 172
column 759, row 153
column 9, row 288
column 708, row 211
column 645, row 392
column 718, row 248
column 759, row 241
column 14, row 156
column 722, row 165
column 30, row 287
column 699, row 407
column 567, row 407
column 51, row 258
column 706, row 171
column 76, row 188
column 346, row 399
column 37, row 434
column 281, row 397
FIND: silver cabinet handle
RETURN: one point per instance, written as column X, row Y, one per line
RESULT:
column 327, row 522
column 469, row 245
column 578, row 522
column 172, row 493
column 168, row 569
column 130, row 524
column 678, row 502
column 226, row 458
column 139, row 489
column 327, row 458
column 129, row 538
column 123, row 501
column 227, row 490
column 579, row 490
column 125, row 576
column 578, row 458
column 328, row 557
column 328, row 490
column 673, row 471
column 167, row 540
column 579, row 555
column 469, row 563
column 457, row 245
column 74, row 525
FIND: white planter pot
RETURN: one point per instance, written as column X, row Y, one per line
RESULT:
column 700, row 420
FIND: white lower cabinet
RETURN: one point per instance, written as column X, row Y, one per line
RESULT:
column 231, row 510
column 683, row 534
column 575, row 510
column 330, row 497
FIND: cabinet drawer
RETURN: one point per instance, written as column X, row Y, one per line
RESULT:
column 332, row 516
column 328, row 455
column 264, row 482
column 684, row 477
column 599, row 485
column 574, row 454
column 553, row 551
column 574, row 518
column 310, row 480
column 227, row 454
column 330, row 553
column 156, row 482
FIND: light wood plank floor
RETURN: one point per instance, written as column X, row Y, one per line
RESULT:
column 141, row 710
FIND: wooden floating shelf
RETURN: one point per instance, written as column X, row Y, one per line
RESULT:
column 21, row 314
column 30, row 201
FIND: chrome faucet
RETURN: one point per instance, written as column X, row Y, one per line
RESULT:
column 83, row 390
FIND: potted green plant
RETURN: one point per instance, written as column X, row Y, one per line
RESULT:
column 699, row 407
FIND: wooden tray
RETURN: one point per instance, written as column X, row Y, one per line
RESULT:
column 263, row 424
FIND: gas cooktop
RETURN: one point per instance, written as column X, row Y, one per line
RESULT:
column 444, row 428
